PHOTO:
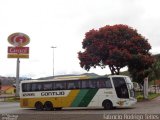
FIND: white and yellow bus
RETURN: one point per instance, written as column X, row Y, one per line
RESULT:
column 106, row 92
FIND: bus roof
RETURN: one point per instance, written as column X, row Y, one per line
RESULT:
column 57, row 79
column 68, row 78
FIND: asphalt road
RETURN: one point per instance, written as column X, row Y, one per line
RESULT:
column 149, row 110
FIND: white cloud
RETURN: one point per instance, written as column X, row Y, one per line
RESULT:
column 63, row 23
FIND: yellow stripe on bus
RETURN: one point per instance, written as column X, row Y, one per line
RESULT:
column 56, row 101
column 67, row 101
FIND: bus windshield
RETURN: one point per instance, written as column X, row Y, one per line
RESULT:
column 121, row 87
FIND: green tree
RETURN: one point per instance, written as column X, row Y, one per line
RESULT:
column 155, row 71
column 156, row 67
column 0, row 86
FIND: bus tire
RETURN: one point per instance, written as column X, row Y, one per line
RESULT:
column 48, row 106
column 107, row 104
column 58, row 108
column 39, row 106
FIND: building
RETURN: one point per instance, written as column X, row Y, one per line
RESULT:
column 7, row 89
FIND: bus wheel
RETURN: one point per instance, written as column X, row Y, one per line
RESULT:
column 58, row 108
column 48, row 106
column 107, row 104
column 39, row 106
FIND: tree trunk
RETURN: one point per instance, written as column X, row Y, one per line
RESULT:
column 111, row 69
column 114, row 70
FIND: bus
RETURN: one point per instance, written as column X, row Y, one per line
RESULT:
column 55, row 94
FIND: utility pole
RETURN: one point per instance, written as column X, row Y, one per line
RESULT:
column 53, row 59
column 145, row 88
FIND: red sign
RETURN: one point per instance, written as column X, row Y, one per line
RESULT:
column 18, row 50
column 18, row 39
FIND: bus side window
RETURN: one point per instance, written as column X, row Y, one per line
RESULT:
column 39, row 87
column 108, row 83
column 101, row 83
column 57, row 86
column 60, row 85
column 85, row 84
column 73, row 84
column 78, row 84
column 92, row 83
column 47, row 86
column 104, row 83
column 24, row 87
column 33, row 88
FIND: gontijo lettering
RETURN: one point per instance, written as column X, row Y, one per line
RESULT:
column 52, row 93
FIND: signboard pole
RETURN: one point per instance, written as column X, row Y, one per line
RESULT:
column 18, row 40
column 17, row 77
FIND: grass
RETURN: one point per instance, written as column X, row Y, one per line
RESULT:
column 153, row 95
column 12, row 100
column 139, row 96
